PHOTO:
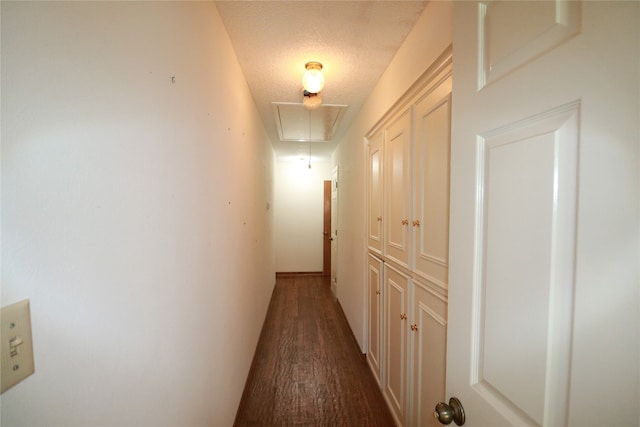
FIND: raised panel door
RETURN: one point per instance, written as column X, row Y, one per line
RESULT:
column 429, row 336
column 375, row 315
column 396, row 302
column 397, row 181
column 430, row 219
column 543, row 298
column 375, row 195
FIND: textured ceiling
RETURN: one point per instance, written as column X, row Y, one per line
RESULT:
column 354, row 40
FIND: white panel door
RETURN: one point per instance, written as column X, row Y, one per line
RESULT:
column 396, row 302
column 396, row 181
column 334, row 230
column 430, row 219
column 375, row 316
column 544, row 248
column 375, row 197
column 429, row 330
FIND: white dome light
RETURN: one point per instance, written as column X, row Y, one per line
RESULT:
column 313, row 80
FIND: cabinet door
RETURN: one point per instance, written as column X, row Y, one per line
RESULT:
column 396, row 299
column 430, row 219
column 429, row 335
column 374, row 186
column 374, row 316
column 396, row 179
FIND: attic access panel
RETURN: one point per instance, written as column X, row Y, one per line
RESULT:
column 297, row 123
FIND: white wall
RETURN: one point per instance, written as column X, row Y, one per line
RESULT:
column 427, row 40
column 134, row 213
column 298, row 215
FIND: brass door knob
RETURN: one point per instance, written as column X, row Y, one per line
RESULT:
column 403, row 316
column 414, row 327
column 405, row 221
column 452, row 412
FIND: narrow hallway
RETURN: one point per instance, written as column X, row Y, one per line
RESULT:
column 307, row 368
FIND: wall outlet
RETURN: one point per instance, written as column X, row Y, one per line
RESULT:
column 17, row 346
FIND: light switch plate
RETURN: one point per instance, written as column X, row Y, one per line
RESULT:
column 17, row 346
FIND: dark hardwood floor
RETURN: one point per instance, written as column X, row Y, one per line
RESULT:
column 308, row 370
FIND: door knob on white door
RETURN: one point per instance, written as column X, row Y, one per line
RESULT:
column 451, row 412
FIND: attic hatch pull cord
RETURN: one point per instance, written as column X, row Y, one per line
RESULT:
column 309, row 167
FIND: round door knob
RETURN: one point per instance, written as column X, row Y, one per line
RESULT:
column 451, row 412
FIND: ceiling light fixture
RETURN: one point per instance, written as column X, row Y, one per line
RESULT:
column 313, row 80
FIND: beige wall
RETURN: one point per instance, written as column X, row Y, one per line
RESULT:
column 428, row 39
column 298, row 214
column 134, row 213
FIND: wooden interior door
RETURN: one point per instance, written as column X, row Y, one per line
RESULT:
column 326, row 231
column 543, row 290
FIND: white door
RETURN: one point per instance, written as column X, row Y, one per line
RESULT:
column 429, row 330
column 543, row 290
column 334, row 230
column 396, row 180
column 396, row 309
column 374, row 316
column 374, row 186
column 430, row 219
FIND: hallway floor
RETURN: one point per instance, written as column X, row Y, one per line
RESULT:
column 308, row 370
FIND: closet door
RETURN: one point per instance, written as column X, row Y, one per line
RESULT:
column 398, row 200
column 396, row 297
column 375, row 197
column 430, row 219
column 429, row 335
column 375, row 316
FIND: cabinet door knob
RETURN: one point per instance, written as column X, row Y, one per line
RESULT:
column 403, row 316
column 405, row 221
column 414, row 327
column 416, row 223
column 379, row 218
column 378, row 292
